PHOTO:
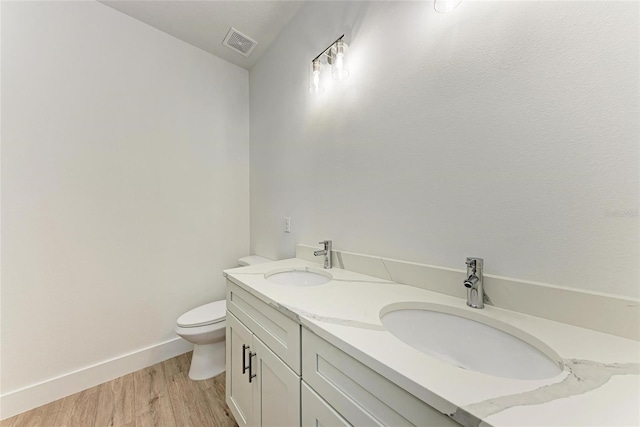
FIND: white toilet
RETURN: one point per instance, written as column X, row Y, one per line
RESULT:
column 204, row 326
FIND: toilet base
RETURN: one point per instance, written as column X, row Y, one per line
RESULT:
column 208, row 361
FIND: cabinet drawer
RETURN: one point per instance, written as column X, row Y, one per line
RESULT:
column 316, row 412
column 359, row 394
column 277, row 331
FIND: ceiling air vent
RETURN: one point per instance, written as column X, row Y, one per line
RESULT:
column 237, row 41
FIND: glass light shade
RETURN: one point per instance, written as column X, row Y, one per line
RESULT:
column 314, row 78
column 339, row 61
column 444, row 6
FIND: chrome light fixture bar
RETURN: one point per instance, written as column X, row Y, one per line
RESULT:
column 336, row 56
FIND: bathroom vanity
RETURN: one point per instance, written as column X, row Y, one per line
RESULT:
column 318, row 353
column 264, row 387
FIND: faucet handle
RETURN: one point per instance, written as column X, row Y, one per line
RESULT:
column 474, row 262
column 325, row 243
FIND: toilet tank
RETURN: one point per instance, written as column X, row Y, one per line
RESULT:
column 252, row 260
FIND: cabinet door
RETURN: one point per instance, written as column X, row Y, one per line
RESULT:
column 277, row 398
column 317, row 413
column 239, row 390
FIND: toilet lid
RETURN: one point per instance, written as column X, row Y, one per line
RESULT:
column 207, row 314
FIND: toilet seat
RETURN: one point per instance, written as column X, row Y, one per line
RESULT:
column 207, row 314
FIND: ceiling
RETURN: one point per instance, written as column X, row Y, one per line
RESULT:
column 205, row 24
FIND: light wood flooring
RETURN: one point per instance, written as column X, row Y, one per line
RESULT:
column 160, row 395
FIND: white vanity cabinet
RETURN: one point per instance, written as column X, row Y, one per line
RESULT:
column 282, row 375
column 262, row 390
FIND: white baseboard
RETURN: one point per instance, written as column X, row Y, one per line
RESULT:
column 34, row 395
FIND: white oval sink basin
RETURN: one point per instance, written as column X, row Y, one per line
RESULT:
column 298, row 277
column 455, row 338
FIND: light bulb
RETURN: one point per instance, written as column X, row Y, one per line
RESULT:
column 340, row 68
column 314, row 78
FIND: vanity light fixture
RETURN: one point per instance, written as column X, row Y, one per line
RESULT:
column 444, row 6
column 336, row 55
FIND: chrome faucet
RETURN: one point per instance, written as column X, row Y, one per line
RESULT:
column 475, row 291
column 326, row 252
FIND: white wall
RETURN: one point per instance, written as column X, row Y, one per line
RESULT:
column 505, row 130
column 125, row 185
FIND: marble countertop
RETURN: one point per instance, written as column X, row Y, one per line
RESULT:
column 599, row 386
